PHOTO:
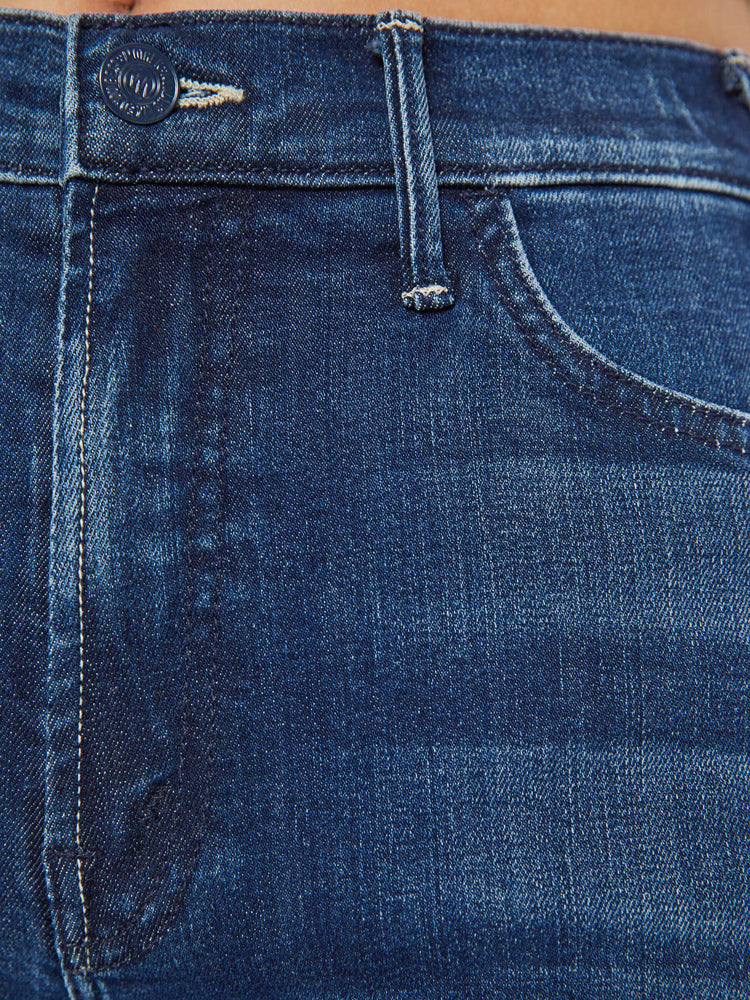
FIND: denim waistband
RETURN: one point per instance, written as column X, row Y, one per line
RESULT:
column 286, row 98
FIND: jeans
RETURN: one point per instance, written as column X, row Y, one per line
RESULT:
column 375, row 524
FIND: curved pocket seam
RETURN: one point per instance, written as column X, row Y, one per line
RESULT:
column 603, row 381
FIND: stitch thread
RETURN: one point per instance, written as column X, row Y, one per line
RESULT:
column 600, row 400
column 737, row 58
column 736, row 73
column 358, row 24
column 81, row 663
column 36, row 168
column 71, row 855
column 203, row 95
column 606, row 404
column 237, row 169
column 424, row 290
column 412, row 149
column 670, row 397
column 30, row 24
column 623, row 378
column 327, row 22
column 396, row 23
column 204, row 369
column 451, row 175
column 408, row 164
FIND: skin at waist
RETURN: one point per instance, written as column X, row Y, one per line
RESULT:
column 720, row 23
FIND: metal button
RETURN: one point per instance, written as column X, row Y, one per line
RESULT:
column 138, row 83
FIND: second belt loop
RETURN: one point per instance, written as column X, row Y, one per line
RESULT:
column 398, row 40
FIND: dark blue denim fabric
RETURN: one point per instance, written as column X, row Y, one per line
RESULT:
column 375, row 535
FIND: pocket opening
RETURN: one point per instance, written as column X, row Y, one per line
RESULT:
column 573, row 359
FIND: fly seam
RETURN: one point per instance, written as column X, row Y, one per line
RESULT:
column 81, row 667
column 121, row 939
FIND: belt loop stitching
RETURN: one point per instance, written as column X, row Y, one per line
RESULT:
column 69, row 104
column 735, row 66
column 426, row 285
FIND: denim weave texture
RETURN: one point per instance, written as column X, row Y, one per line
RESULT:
column 375, row 523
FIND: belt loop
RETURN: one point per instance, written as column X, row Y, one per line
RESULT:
column 398, row 40
column 736, row 73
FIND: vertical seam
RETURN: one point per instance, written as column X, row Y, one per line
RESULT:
column 81, row 525
column 128, row 942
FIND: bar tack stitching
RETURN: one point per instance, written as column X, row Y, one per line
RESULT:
column 396, row 23
column 81, row 636
column 737, row 58
column 423, row 290
column 199, row 94
column 736, row 73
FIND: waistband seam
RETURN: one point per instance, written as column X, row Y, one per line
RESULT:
column 42, row 29
column 456, row 177
column 358, row 24
column 598, row 112
column 356, row 169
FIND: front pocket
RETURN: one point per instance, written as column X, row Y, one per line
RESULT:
column 575, row 360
